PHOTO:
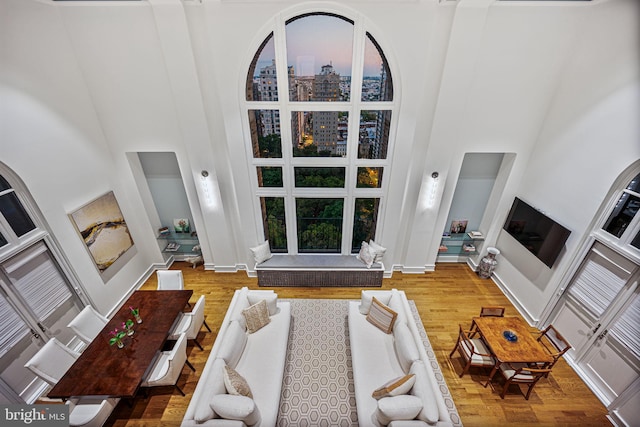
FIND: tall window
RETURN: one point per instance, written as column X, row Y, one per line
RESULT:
column 320, row 110
column 623, row 224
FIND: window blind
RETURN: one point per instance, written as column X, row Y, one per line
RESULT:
column 601, row 277
column 35, row 276
column 627, row 328
column 12, row 327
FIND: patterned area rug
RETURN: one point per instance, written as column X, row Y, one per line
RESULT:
column 317, row 388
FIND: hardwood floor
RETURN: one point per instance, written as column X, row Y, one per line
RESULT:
column 450, row 296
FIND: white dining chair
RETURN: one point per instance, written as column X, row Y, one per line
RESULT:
column 88, row 324
column 52, row 361
column 90, row 412
column 190, row 323
column 170, row 280
column 168, row 366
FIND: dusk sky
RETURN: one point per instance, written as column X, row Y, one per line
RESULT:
column 314, row 41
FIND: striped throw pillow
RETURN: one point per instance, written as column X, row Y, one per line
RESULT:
column 381, row 316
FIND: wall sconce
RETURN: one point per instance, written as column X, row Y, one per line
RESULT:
column 434, row 190
column 206, row 187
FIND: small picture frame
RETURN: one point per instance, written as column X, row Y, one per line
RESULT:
column 458, row 226
column 181, row 225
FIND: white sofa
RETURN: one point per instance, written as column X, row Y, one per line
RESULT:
column 379, row 357
column 259, row 357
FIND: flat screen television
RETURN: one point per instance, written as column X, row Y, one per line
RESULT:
column 541, row 235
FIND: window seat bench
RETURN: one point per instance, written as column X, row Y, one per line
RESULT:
column 320, row 270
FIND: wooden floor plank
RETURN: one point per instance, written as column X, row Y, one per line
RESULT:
column 451, row 295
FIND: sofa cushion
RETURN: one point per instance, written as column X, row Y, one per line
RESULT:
column 233, row 344
column 256, row 316
column 367, row 297
column 270, row 298
column 262, row 252
column 377, row 251
column 236, row 408
column 395, row 303
column 215, row 385
column 235, row 383
column 424, row 390
column 365, row 254
column 404, row 407
column 381, row 316
column 395, row 387
column 405, row 346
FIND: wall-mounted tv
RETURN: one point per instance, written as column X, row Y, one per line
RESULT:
column 541, row 235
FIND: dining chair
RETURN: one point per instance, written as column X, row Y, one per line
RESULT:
column 168, row 366
column 521, row 373
column 87, row 324
column 52, row 361
column 486, row 311
column 190, row 323
column 474, row 352
column 90, row 412
column 170, row 280
column 553, row 343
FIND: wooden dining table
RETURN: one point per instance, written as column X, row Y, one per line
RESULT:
column 525, row 349
column 105, row 370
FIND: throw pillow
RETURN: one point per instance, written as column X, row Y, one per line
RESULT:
column 365, row 255
column 404, row 407
column 395, row 387
column 236, row 408
column 377, row 250
column 405, row 346
column 262, row 252
column 235, row 338
column 367, row 297
column 423, row 389
column 270, row 297
column 235, row 383
column 381, row 316
column 256, row 316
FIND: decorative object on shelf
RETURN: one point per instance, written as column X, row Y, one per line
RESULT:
column 181, row 225
column 475, row 235
column 488, row 263
column 459, row 226
column 163, row 231
column 136, row 314
column 172, row 247
column 116, row 338
column 468, row 247
column 510, row 336
column 128, row 326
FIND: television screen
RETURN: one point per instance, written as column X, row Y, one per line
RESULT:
column 541, row 235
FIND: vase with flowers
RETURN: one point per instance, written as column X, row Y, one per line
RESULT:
column 136, row 314
column 116, row 337
column 128, row 326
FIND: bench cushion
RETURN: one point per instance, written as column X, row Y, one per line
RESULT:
column 313, row 262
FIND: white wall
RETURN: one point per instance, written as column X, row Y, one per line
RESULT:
column 84, row 83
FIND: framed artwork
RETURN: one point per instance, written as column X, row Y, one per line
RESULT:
column 458, row 226
column 103, row 229
column 181, row 225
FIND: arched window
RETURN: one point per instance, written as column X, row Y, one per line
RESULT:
column 623, row 224
column 320, row 106
column 37, row 299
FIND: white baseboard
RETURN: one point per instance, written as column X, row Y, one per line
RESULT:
column 512, row 298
